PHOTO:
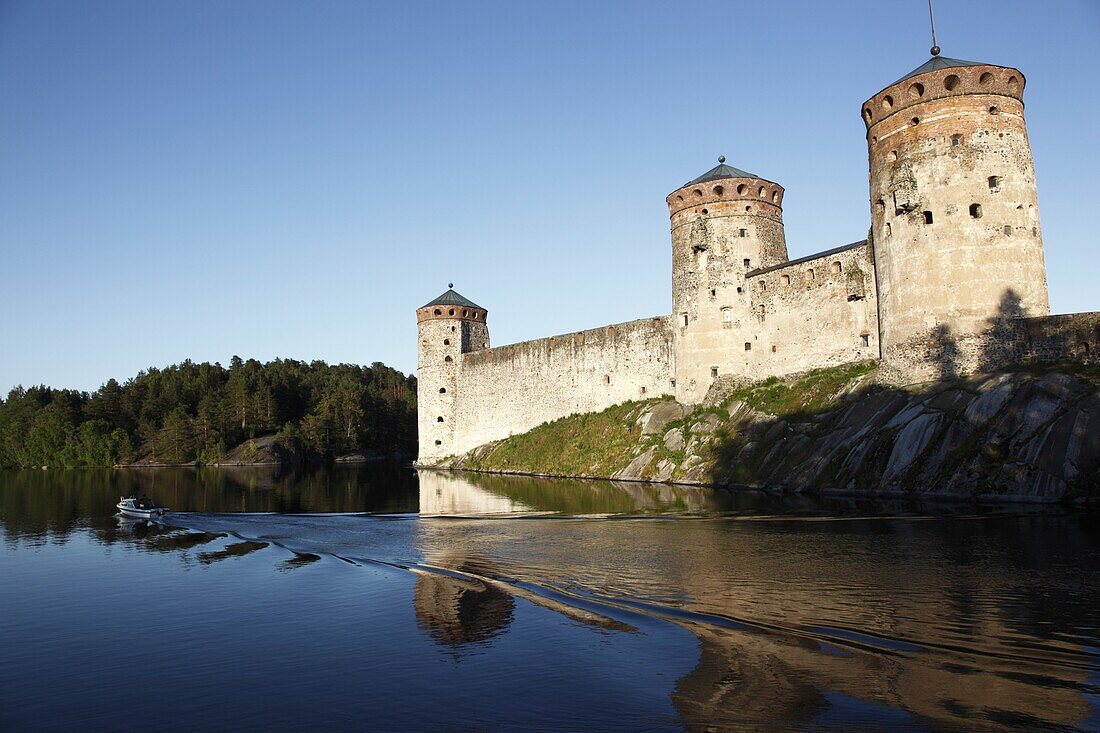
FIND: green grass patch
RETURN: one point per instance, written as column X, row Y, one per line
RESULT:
column 595, row 443
column 811, row 393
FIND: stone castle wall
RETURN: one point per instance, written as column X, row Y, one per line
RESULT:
column 817, row 311
column 510, row 389
column 1006, row 340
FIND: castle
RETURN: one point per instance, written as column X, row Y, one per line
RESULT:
column 950, row 279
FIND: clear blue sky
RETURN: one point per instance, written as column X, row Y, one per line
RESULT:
column 200, row 179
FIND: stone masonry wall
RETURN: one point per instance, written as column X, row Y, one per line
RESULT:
column 817, row 311
column 1006, row 341
column 510, row 389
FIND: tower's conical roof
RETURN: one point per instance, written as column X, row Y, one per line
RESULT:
column 940, row 62
column 452, row 298
column 721, row 171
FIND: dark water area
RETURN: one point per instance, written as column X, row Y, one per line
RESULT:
column 377, row 598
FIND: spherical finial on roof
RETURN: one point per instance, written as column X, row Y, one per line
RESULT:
column 450, row 285
column 721, row 159
column 935, row 50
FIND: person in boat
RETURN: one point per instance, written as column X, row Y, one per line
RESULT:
column 144, row 503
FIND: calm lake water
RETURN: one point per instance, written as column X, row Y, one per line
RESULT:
column 379, row 599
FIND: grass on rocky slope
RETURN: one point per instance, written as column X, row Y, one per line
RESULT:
column 601, row 443
column 577, row 445
column 813, row 392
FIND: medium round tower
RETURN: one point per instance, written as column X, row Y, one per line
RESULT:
column 724, row 223
column 447, row 328
column 954, row 211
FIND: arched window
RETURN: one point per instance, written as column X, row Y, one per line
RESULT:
column 976, row 211
column 438, row 312
column 994, row 182
column 837, row 268
column 810, row 274
column 446, row 342
column 448, row 358
column 442, row 390
column 928, row 217
column 439, row 419
column 787, row 280
column 748, row 346
column 763, row 285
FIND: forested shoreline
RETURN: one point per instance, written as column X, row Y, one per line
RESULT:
column 206, row 413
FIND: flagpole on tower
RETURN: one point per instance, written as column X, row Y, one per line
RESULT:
column 932, row 22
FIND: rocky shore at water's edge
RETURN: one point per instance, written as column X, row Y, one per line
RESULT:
column 1026, row 435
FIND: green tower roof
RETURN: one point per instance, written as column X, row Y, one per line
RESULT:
column 719, row 172
column 452, row 298
column 939, row 62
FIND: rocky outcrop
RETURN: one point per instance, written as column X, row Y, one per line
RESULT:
column 1014, row 436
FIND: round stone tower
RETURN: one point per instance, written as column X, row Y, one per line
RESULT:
column 447, row 328
column 954, row 211
column 724, row 223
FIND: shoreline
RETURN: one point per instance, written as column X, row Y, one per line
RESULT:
column 937, row 497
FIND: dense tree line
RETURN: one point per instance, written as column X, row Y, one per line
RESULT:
column 200, row 412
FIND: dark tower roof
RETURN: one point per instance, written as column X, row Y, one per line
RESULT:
column 939, row 62
column 452, row 298
column 721, row 171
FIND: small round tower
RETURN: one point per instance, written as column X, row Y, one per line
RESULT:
column 954, row 211
column 447, row 328
column 724, row 223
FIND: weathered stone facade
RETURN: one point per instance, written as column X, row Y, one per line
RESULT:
column 493, row 393
column 954, row 207
column 950, row 280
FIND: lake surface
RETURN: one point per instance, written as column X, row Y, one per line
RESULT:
column 378, row 599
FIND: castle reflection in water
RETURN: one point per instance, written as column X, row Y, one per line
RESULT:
column 934, row 619
column 801, row 607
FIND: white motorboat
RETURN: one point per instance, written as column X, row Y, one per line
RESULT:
column 139, row 508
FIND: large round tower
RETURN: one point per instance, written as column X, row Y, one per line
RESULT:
column 954, row 211
column 724, row 223
column 447, row 328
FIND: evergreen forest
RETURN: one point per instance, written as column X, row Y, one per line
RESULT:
column 206, row 412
